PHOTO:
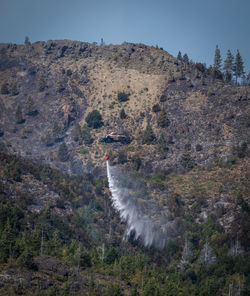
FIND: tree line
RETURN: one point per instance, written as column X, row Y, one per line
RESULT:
column 232, row 66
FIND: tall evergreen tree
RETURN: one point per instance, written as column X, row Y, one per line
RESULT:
column 238, row 66
column 27, row 41
column 102, row 42
column 217, row 59
column 228, row 66
column 248, row 78
column 179, row 56
column 185, row 58
column 123, row 114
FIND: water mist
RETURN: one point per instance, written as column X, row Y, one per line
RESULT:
column 136, row 210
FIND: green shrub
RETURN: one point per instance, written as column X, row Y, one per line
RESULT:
column 113, row 290
column 69, row 72
column 26, row 260
column 123, row 97
column 156, row 108
column 198, row 147
column 148, row 136
column 94, row 119
column 123, row 115
column 191, row 164
column 83, row 150
column 151, row 289
column 187, row 161
column 111, row 256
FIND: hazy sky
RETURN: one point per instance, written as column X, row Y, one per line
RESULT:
column 192, row 26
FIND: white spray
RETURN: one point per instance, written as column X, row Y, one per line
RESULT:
column 125, row 199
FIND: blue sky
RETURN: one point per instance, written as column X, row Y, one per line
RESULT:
column 191, row 26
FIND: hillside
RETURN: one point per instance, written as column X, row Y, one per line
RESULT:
column 188, row 145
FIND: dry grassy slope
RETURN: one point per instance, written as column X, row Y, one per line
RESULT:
column 106, row 81
column 98, row 74
column 200, row 111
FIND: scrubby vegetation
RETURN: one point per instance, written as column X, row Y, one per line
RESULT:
column 94, row 119
column 122, row 97
column 86, row 257
column 148, row 136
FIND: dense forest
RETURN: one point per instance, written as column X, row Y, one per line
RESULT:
column 67, row 247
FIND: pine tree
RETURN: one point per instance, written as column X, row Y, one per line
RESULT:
column 238, row 66
column 94, row 119
column 123, row 115
column 248, row 78
column 228, row 66
column 217, row 59
column 102, row 42
column 27, row 41
column 179, row 56
column 185, row 58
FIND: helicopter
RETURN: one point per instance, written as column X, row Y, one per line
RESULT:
column 114, row 138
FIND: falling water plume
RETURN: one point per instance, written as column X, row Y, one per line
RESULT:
column 132, row 202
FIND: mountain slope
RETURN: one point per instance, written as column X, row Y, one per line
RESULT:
column 188, row 145
column 65, row 80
